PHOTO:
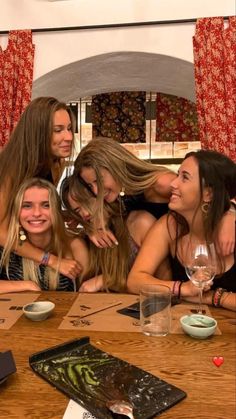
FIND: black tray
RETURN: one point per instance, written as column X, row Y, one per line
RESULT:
column 91, row 377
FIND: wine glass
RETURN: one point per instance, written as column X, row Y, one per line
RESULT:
column 201, row 266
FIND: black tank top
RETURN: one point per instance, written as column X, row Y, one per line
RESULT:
column 137, row 202
column 227, row 280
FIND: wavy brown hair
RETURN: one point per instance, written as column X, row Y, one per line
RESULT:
column 28, row 152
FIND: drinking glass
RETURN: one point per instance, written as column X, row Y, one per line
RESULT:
column 155, row 313
column 201, row 266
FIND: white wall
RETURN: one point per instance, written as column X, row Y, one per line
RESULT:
column 55, row 49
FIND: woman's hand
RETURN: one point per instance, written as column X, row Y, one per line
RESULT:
column 92, row 285
column 225, row 240
column 67, row 267
column 103, row 238
column 188, row 289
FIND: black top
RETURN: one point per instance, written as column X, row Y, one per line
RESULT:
column 227, row 280
column 138, row 202
column 48, row 176
column 16, row 274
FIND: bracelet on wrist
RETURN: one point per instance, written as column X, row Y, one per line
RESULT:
column 179, row 293
column 175, row 289
column 45, row 259
column 217, row 295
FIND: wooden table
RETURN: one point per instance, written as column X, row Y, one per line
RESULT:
column 178, row 359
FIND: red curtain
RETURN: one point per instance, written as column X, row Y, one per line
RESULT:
column 215, row 76
column 16, row 78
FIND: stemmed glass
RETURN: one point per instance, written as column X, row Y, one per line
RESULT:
column 201, row 266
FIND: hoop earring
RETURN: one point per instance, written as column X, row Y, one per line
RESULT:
column 22, row 236
column 122, row 192
column 205, row 207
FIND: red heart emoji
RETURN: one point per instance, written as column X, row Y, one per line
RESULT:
column 218, row 360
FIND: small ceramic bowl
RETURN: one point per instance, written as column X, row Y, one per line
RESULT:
column 39, row 310
column 198, row 326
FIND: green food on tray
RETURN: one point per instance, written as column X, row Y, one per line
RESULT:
column 93, row 377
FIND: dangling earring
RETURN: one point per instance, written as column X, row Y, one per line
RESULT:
column 22, row 236
column 122, row 192
column 205, row 207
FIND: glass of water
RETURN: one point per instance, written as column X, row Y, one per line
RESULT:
column 155, row 309
column 201, row 267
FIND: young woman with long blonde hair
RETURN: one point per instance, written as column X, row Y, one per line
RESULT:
column 37, row 220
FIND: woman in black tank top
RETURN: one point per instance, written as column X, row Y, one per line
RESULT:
column 201, row 196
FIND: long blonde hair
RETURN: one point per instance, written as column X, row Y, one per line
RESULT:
column 113, row 263
column 58, row 237
column 130, row 172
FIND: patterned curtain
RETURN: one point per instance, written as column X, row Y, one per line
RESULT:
column 120, row 115
column 16, row 77
column 215, row 76
column 176, row 119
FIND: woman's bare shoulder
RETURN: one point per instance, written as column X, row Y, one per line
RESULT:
column 138, row 217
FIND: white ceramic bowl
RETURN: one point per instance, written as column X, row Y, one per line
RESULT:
column 38, row 310
column 198, row 326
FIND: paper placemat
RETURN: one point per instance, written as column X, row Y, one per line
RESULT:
column 75, row 411
column 108, row 320
column 111, row 321
column 11, row 307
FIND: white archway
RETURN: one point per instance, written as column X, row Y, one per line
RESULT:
column 118, row 71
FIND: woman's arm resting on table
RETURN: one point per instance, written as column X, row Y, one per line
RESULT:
column 153, row 252
column 228, row 299
column 18, row 286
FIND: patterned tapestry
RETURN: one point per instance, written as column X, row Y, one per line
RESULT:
column 176, row 119
column 120, row 115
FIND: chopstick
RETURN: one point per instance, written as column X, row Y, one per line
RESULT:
column 96, row 311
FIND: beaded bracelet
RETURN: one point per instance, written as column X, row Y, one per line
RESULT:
column 176, row 286
column 216, row 297
column 45, row 259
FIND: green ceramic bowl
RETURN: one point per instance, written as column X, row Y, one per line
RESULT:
column 198, row 326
